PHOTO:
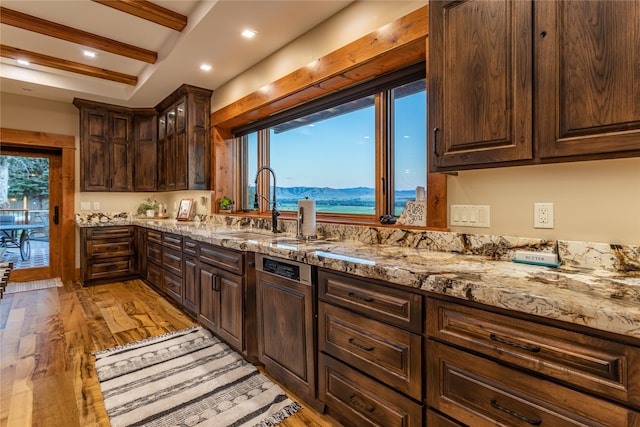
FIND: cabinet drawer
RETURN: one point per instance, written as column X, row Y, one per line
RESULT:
column 154, row 253
column 218, row 257
column 110, row 268
column 155, row 275
column 172, row 241
column 358, row 400
column 435, row 419
column 172, row 261
column 190, row 247
column 389, row 305
column 109, row 248
column 111, row 232
column 593, row 364
column 173, row 286
column 154, row 236
column 390, row 354
column 479, row 392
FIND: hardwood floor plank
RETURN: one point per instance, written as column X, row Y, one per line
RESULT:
column 88, row 396
column 21, row 399
column 51, row 398
column 27, row 346
column 48, row 337
column 75, row 326
column 116, row 318
column 51, row 354
column 10, row 339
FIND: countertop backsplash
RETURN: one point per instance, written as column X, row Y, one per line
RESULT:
column 574, row 255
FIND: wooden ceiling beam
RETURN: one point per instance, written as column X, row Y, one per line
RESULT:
column 149, row 11
column 61, row 64
column 84, row 38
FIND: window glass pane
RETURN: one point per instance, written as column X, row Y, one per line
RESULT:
column 328, row 156
column 410, row 142
column 252, row 168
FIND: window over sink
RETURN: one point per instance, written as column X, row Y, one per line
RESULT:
column 359, row 152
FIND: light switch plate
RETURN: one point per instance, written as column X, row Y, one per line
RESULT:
column 85, row 206
column 470, row 215
column 96, row 206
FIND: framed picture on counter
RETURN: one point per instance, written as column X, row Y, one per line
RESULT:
column 184, row 211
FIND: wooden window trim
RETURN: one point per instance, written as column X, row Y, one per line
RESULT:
column 402, row 43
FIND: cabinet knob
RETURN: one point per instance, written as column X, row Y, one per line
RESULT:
column 543, row 34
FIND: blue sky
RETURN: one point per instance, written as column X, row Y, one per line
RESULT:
column 340, row 152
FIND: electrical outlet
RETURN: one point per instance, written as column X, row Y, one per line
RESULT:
column 96, row 206
column 85, row 206
column 543, row 215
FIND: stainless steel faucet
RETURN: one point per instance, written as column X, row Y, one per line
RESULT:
column 275, row 213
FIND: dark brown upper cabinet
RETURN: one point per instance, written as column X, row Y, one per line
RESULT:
column 184, row 149
column 513, row 83
column 147, row 149
column 106, row 148
column 587, row 77
column 480, row 90
column 145, row 127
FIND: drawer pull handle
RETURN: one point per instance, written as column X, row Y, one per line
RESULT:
column 359, row 297
column 535, row 422
column 354, row 343
column 531, row 348
column 360, row 405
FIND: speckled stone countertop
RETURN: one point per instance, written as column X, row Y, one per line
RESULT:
column 597, row 286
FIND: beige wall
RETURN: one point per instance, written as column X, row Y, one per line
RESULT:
column 597, row 201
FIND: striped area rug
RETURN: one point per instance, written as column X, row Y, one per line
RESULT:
column 15, row 287
column 187, row 378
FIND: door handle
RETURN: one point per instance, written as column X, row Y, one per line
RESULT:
column 56, row 215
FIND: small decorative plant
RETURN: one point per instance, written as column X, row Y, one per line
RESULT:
column 225, row 203
column 149, row 204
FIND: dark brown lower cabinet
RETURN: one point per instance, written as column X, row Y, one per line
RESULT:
column 371, row 351
column 487, row 368
column 479, row 392
column 109, row 253
column 222, row 296
column 285, row 324
column 172, row 284
column 191, row 294
column 207, row 284
column 435, row 419
column 355, row 399
column 153, row 254
column 155, row 275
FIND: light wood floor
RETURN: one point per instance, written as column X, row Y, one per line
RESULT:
column 47, row 337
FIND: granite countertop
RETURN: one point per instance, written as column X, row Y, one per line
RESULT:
column 597, row 298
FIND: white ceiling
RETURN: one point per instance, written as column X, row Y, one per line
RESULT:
column 211, row 36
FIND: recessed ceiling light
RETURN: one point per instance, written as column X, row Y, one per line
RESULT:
column 89, row 54
column 205, row 67
column 23, row 62
column 249, row 33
